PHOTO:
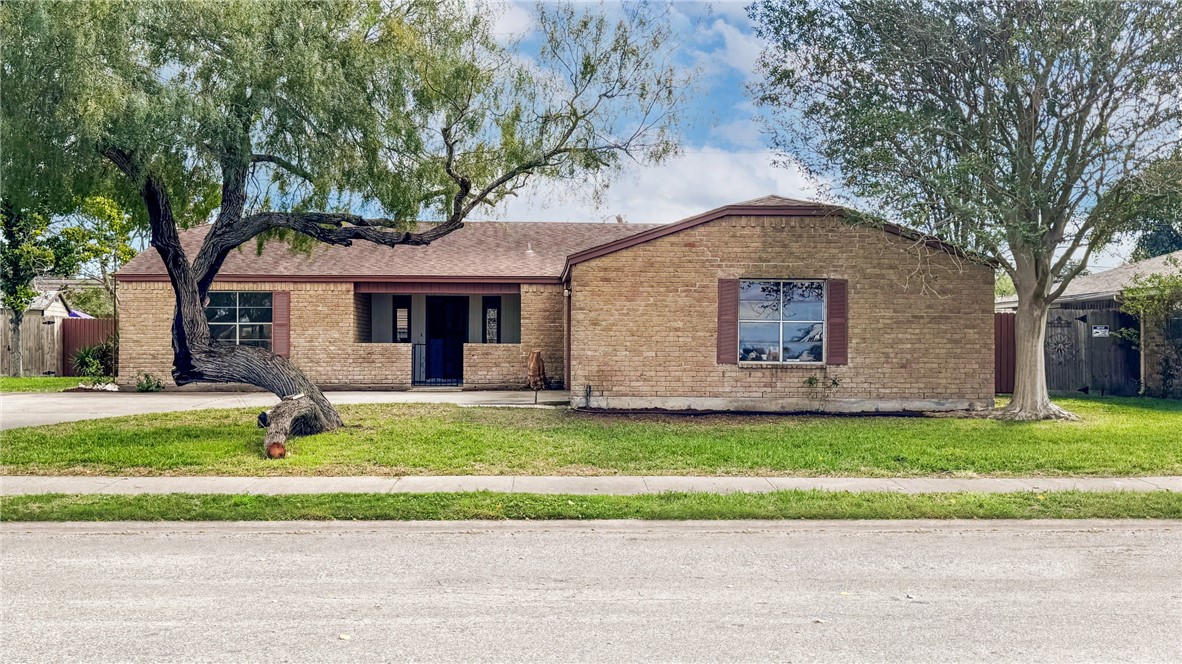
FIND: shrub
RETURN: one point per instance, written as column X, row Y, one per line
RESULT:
column 99, row 360
column 148, row 383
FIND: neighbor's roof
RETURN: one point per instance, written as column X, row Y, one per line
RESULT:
column 1109, row 283
column 45, row 299
column 481, row 250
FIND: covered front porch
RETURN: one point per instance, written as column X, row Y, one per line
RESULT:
column 458, row 334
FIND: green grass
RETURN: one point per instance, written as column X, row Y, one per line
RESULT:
column 485, row 505
column 39, row 383
column 1115, row 437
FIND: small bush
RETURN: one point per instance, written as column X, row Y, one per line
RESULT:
column 97, row 361
column 148, row 383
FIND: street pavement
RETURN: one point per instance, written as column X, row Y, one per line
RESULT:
column 913, row 591
column 620, row 485
column 29, row 409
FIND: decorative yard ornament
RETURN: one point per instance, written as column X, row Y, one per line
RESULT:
column 537, row 373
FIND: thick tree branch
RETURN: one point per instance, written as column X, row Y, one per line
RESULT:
column 286, row 165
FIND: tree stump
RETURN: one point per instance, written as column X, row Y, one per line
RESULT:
column 288, row 418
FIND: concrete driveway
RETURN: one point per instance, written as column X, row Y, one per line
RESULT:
column 598, row 591
column 27, row 409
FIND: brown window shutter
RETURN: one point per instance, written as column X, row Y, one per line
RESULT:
column 728, row 321
column 281, row 322
column 837, row 324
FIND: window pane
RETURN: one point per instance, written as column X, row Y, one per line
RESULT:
column 759, row 342
column 759, row 300
column 402, row 325
column 223, row 299
column 254, row 332
column 804, row 300
column 803, row 352
column 492, row 325
column 810, row 332
column 261, row 343
column 223, row 333
column 219, row 314
column 254, row 299
column 254, row 315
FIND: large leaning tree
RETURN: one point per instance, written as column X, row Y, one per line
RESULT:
column 1017, row 129
column 334, row 121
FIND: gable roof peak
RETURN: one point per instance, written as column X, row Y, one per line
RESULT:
column 774, row 200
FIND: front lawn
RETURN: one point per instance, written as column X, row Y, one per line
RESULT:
column 38, row 383
column 1115, row 437
column 485, row 505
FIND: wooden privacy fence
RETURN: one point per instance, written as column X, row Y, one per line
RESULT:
column 40, row 345
column 1003, row 353
column 79, row 332
column 1081, row 352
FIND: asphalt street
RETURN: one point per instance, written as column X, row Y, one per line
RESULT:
column 593, row 591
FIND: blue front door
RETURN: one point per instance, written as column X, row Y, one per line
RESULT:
column 447, row 332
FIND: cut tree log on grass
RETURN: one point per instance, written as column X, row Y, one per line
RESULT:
column 295, row 415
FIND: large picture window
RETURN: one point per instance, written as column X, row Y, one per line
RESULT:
column 781, row 321
column 240, row 318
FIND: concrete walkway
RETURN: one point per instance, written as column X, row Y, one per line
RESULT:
column 618, row 485
column 35, row 409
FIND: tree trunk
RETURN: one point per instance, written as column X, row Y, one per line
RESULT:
column 1031, row 401
column 303, row 409
column 16, row 354
column 196, row 357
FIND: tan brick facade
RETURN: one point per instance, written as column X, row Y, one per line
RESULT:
column 325, row 319
column 644, row 321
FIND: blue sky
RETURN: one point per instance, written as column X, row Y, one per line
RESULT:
column 725, row 158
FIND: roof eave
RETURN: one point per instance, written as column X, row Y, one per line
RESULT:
column 352, row 278
column 815, row 210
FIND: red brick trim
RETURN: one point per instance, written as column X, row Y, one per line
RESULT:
column 352, row 278
column 436, row 287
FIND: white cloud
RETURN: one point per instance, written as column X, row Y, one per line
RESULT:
column 513, row 20
column 692, row 183
column 740, row 49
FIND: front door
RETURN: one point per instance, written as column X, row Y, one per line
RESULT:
column 447, row 332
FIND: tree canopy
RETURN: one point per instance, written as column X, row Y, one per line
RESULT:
column 332, row 121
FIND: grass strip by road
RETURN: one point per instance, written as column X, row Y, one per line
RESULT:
column 1116, row 437
column 670, row 506
column 38, row 383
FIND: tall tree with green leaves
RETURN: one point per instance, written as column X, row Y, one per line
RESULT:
column 1019, row 130
column 24, row 255
column 280, row 120
column 101, row 237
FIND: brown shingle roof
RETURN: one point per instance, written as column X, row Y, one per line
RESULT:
column 479, row 250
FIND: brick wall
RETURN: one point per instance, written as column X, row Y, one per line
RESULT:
column 644, row 321
column 362, row 317
column 542, row 328
column 1154, row 347
column 324, row 333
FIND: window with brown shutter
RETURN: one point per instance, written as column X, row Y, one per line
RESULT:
column 783, row 321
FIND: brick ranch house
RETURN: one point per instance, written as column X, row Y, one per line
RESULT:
column 770, row 304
